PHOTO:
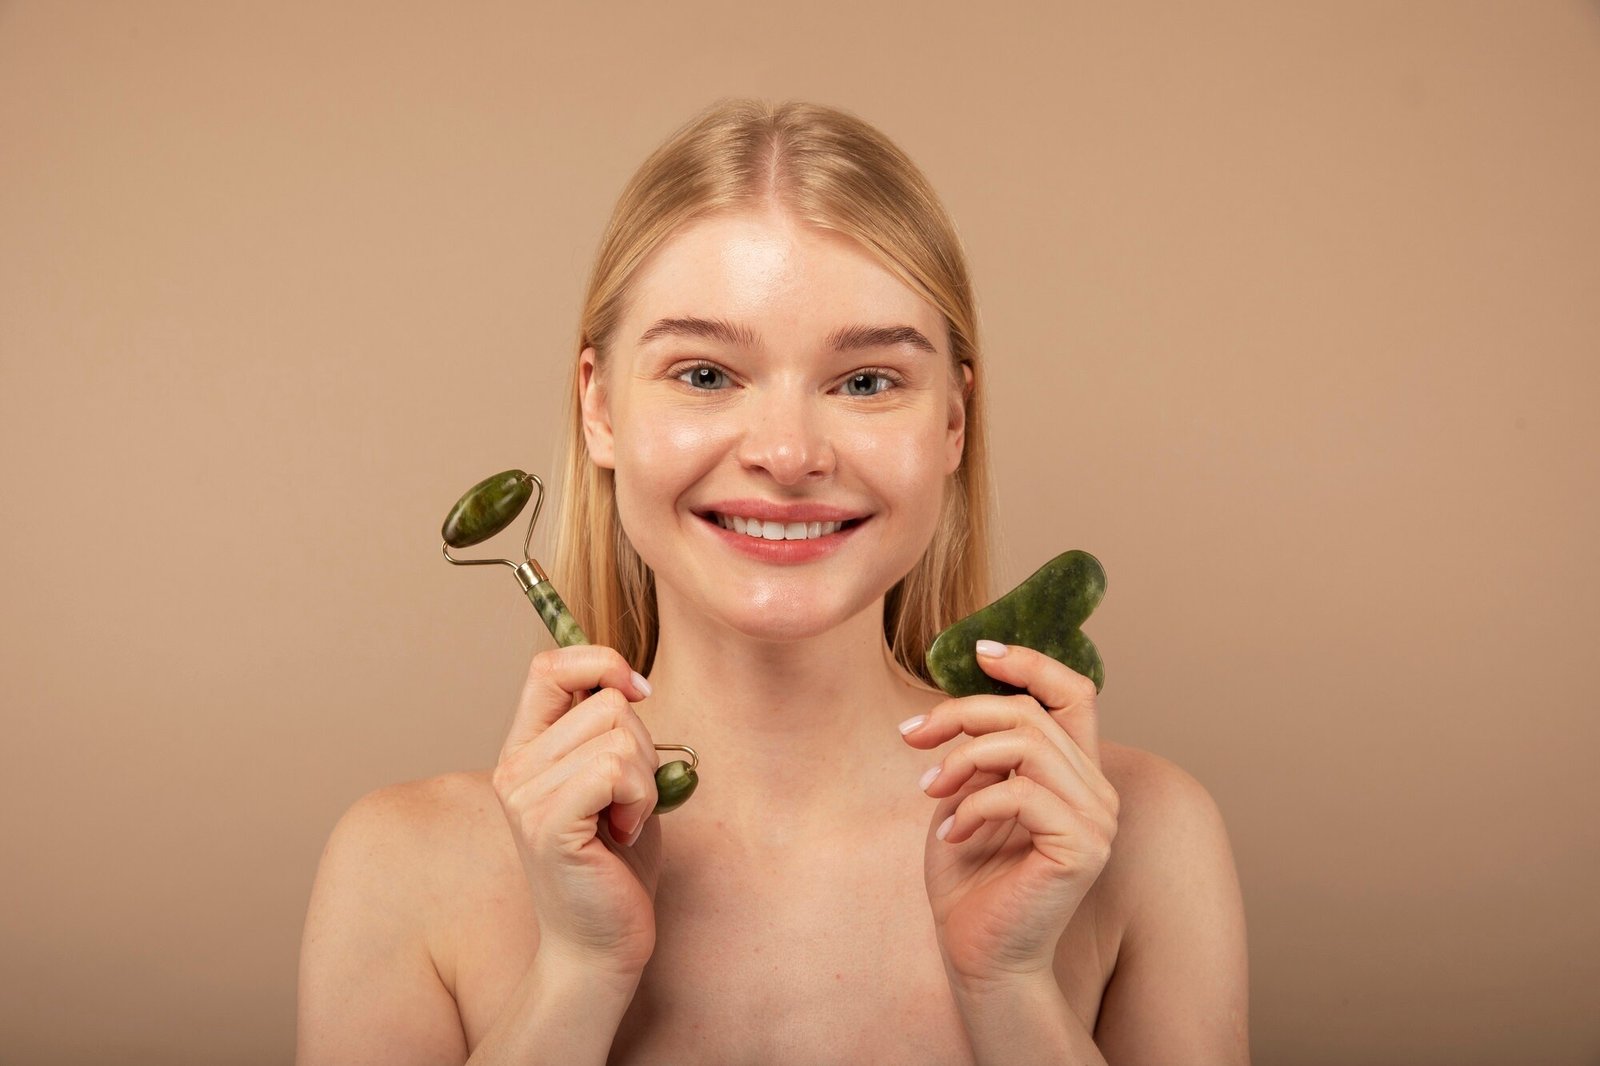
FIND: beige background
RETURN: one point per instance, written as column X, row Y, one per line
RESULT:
column 1292, row 313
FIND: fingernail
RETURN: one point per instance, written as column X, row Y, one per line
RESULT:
column 625, row 837
column 944, row 827
column 990, row 648
column 633, row 838
column 640, row 683
column 927, row 778
column 912, row 723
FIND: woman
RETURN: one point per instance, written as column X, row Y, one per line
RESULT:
column 775, row 498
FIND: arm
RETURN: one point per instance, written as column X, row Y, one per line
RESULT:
column 369, row 992
column 559, row 1014
column 1180, row 991
column 1016, row 1023
column 369, row 989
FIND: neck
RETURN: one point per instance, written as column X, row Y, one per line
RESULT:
column 790, row 733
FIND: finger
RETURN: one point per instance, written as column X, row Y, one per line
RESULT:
column 618, row 741
column 555, row 676
column 1038, row 810
column 946, row 806
column 977, row 715
column 1066, row 695
column 1024, row 750
column 606, row 709
column 599, row 782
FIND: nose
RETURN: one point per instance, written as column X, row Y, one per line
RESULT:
column 788, row 438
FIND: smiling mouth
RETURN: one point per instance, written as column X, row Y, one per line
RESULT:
column 758, row 530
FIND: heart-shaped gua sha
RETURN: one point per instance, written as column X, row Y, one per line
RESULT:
column 1043, row 613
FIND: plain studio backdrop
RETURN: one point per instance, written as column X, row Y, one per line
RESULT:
column 1293, row 315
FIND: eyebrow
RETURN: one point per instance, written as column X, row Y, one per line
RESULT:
column 844, row 339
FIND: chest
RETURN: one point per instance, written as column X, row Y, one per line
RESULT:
column 756, row 961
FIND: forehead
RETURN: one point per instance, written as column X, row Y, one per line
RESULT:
column 755, row 267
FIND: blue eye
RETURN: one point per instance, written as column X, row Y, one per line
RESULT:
column 869, row 377
column 702, row 376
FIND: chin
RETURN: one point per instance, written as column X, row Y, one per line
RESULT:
column 773, row 615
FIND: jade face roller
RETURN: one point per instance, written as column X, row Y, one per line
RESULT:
column 490, row 506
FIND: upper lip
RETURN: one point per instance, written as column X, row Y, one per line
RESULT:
column 783, row 512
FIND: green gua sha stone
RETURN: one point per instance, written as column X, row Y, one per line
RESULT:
column 1043, row 613
column 487, row 508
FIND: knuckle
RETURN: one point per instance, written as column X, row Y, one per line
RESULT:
column 1023, row 704
column 1097, row 837
column 506, row 778
column 612, row 765
column 645, row 781
column 1025, row 788
column 500, row 778
column 1032, row 735
column 543, row 666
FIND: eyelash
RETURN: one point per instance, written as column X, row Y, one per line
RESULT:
column 895, row 380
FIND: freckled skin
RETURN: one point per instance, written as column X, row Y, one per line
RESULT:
column 781, row 423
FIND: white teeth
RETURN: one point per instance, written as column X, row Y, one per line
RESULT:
column 754, row 527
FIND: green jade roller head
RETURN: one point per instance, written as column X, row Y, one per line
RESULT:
column 489, row 507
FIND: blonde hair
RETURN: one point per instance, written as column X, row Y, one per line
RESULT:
column 828, row 168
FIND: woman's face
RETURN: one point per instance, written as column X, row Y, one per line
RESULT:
column 744, row 384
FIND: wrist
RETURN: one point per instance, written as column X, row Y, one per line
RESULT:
column 1007, row 987
column 559, row 965
column 562, row 1011
column 1022, row 1017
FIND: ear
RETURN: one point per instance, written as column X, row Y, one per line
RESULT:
column 596, row 412
column 956, row 430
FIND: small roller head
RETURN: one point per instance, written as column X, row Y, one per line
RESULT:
column 488, row 507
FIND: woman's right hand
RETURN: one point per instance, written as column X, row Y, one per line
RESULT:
column 560, row 768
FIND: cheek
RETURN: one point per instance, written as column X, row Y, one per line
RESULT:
column 664, row 444
column 905, row 467
column 659, row 456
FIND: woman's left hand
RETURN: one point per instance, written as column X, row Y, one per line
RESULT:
column 1019, row 854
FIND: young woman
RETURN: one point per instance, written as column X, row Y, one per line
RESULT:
column 775, row 499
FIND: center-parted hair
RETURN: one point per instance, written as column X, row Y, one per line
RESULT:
column 822, row 166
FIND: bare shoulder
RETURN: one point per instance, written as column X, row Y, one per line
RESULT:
column 422, row 821
column 373, row 983
column 1150, row 786
column 445, row 802
column 1165, row 818
column 415, row 843
column 1180, row 988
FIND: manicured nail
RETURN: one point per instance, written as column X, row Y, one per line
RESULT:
column 640, row 683
column 912, row 723
column 944, row 827
column 991, row 648
column 927, row 778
